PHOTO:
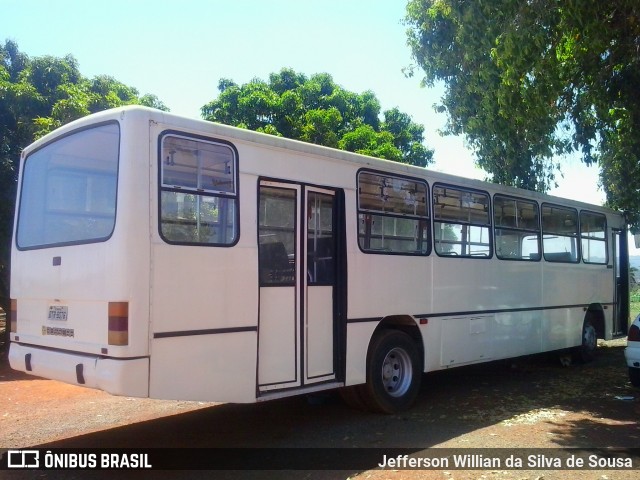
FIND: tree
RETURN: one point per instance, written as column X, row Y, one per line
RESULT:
column 528, row 82
column 38, row 95
column 633, row 278
column 316, row 110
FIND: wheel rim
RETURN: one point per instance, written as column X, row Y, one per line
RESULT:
column 589, row 338
column 397, row 372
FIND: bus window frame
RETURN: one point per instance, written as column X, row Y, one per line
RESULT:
column 538, row 231
column 116, row 193
column 488, row 226
column 604, row 239
column 576, row 236
column 420, row 219
column 200, row 192
column 291, row 275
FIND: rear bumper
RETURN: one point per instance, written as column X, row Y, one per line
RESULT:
column 127, row 377
column 632, row 355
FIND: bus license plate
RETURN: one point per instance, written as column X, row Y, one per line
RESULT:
column 58, row 312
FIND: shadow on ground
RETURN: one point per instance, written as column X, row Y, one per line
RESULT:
column 451, row 404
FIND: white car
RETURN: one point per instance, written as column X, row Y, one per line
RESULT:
column 632, row 352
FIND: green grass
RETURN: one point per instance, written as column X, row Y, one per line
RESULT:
column 634, row 307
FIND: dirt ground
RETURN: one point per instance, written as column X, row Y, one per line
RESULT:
column 529, row 403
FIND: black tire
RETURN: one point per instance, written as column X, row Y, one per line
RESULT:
column 634, row 376
column 394, row 371
column 586, row 352
column 353, row 397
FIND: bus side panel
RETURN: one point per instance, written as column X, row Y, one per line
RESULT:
column 467, row 340
column 517, row 293
column 518, row 333
column 562, row 328
column 382, row 285
column 511, row 289
column 598, row 288
column 463, row 285
column 358, row 337
column 203, row 288
column 217, row 368
column 204, row 323
column 570, row 288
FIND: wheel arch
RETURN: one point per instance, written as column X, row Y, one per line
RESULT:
column 406, row 324
column 595, row 314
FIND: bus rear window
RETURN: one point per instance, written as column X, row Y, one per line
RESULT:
column 69, row 189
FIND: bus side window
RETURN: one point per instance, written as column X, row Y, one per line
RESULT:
column 517, row 228
column 198, row 192
column 593, row 233
column 461, row 222
column 393, row 214
column 560, row 234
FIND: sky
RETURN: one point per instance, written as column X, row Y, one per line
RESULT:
column 180, row 50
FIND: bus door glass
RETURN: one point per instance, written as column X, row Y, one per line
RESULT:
column 621, row 286
column 297, row 265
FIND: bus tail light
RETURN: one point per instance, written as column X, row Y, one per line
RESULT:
column 118, row 323
column 13, row 316
column 634, row 334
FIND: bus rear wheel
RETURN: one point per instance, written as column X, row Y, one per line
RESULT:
column 587, row 350
column 354, row 396
column 393, row 372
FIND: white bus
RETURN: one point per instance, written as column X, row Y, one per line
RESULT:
column 164, row 257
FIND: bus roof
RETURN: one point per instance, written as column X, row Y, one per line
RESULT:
column 272, row 141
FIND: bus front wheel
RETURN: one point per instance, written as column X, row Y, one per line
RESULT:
column 393, row 372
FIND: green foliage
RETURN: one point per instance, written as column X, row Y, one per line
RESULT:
column 367, row 141
column 527, row 82
column 317, row 110
column 38, row 95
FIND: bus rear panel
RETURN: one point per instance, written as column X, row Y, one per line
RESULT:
column 73, row 317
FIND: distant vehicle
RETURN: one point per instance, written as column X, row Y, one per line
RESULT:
column 632, row 352
column 165, row 257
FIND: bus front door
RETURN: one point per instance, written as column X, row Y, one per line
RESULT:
column 621, row 283
column 298, row 314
